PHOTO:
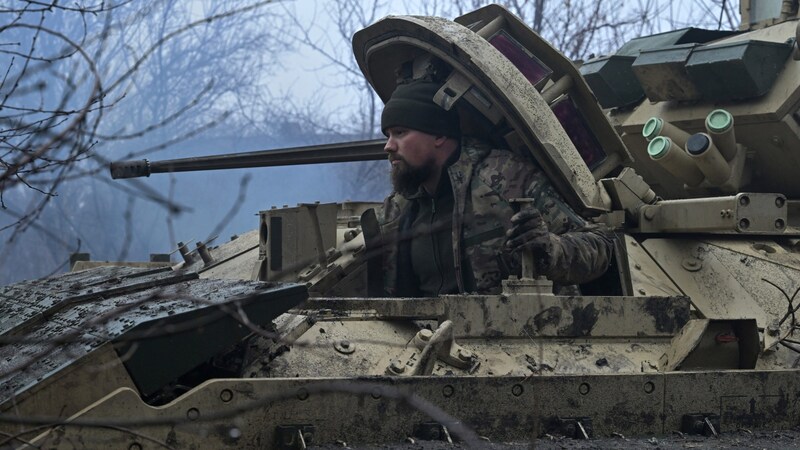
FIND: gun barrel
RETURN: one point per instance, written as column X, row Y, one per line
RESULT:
column 313, row 154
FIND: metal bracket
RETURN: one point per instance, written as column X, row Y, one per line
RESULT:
column 294, row 436
column 706, row 424
column 577, row 427
column 746, row 213
column 441, row 345
column 432, row 431
column 629, row 192
column 452, row 90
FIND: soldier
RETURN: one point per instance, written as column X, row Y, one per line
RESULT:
column 449, row 227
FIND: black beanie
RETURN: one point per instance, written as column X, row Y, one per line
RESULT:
column 411, row 106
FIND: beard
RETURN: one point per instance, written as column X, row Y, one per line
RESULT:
column 406, row 179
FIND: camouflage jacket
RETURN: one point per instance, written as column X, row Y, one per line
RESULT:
column 483, row 181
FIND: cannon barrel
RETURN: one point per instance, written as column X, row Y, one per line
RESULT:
column 313, row 154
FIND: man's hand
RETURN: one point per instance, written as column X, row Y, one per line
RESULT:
column 529, row 231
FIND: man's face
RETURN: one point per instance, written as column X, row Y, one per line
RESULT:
column 412, row 156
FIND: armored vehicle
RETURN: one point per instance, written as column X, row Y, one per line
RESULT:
column 685, row 143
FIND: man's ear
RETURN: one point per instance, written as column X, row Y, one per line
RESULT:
column 438, row 141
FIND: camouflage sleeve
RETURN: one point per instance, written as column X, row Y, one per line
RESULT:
column 581, row 251
column 389, row 211
column 580, row 256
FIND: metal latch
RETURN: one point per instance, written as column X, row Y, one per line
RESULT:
column 575, row 427
column 440, row 345
column 701, row 423
column 294, row 436
column 432, row 431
